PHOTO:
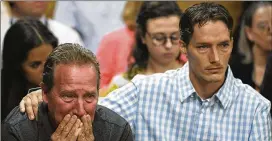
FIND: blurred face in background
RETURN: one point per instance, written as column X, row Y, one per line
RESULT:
column 34, row 63
column 261, row 31
column 29, row 8
column 162, row 39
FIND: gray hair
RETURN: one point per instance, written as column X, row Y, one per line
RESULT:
column 68, row 53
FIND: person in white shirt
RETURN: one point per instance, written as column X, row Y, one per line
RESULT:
column 20, row 9
column 92, row 19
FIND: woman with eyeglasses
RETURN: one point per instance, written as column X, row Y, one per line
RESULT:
column 157, row 42
column 254, row 44
column 27, row 44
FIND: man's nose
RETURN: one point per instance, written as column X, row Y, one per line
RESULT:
column 79, row 109
column 214, row 55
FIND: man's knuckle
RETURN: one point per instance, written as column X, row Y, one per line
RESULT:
column 66, row 129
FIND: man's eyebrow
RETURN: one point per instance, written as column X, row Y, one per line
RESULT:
column 202, row 43
column 225, row 41
column 67, row 92
column 90, row 93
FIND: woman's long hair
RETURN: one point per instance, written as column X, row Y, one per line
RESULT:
column 21, row 37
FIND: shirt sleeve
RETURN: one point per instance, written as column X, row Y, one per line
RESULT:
column 123, row 101
column 262, row 126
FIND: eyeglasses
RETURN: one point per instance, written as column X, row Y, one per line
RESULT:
column 159, row 39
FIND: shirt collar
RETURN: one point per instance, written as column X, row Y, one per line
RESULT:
column 185, row 83
column 224, row 94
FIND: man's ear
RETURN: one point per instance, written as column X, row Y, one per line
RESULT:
column 249, row 33
column 183, row 47
column 45, row 92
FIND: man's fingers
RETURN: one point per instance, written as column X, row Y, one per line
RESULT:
column 85, row 124
column 81, row 135
column 40, row 99
column 88, row 129
column 62, row 124
column 28, row 107
column 78, row 132
column 73, row 134
column 35, row 104
column 89, row 122
column 69, row 126
column 22, row 106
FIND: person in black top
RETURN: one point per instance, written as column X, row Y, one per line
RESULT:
column 70, row 89
column 266, row 87
column 254, row 44
column 26, row 46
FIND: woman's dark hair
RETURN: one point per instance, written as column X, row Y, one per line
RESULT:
column 243, row 45
column 250, row 11
column 201, row 14
column 150, row 10
column 20, row 38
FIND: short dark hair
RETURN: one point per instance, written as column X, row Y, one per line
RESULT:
column 151, row 10
column 68, row 53
column 200, row 14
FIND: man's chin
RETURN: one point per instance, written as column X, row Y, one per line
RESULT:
column 215, row 79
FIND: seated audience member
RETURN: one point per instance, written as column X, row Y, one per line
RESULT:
column 200, row 101
column 37, row 9
column 70, row 111
column 92, row 19
column 26, row 46
column 254, row 44
column 157, row 42
column 266, row 89
column 115, row 47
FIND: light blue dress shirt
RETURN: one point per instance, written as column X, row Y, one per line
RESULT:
column 165, row 107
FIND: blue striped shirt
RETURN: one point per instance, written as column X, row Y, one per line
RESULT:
column 165, row 107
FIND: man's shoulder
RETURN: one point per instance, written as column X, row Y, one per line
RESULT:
column 168, row 78
column 247, row 93
column 110, row 116
column 17, row 125
column 15, row 117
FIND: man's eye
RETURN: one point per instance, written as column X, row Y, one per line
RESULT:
column 67, row 98
column 202, row 48
column 90, row 97
column 224, row 46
